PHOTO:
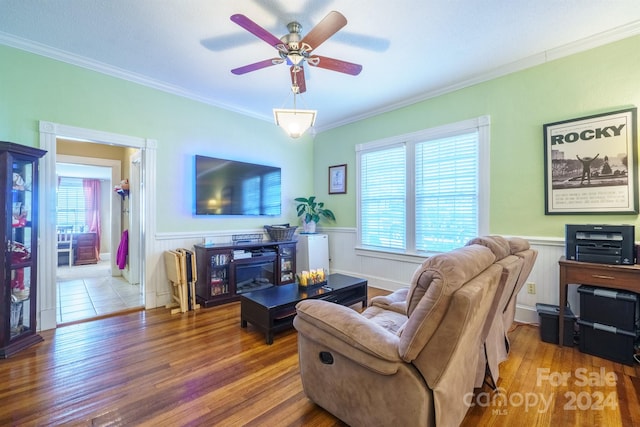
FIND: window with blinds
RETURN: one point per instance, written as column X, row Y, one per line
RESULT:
column 383, row 198
column 446, row 192
column 423, row 192
column 71, row 205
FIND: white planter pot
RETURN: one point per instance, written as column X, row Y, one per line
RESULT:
column 309, row 227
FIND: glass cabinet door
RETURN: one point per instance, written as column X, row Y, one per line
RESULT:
column 219, row 274
column 287, row 264
column 20, row 247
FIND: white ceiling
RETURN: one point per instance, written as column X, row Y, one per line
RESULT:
column 409, row 50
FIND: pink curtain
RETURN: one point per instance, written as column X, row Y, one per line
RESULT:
column 92, row 204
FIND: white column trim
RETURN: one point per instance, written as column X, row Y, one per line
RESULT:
column 148, row 219
column 47, row 263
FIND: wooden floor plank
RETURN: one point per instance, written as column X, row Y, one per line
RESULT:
column 201, row 368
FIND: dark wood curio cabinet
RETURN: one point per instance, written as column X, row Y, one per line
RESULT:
column 19, row 232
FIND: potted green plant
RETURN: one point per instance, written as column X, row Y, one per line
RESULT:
column 311, row 212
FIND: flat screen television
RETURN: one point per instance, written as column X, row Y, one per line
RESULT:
column 230, row 187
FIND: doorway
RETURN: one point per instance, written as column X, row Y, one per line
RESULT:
column 89, row 282
column 50, row 132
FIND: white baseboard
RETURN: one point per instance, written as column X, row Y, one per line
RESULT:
column 48, row 320
column 526, row 314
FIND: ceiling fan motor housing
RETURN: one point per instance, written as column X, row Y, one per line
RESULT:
column 292, row 42
column 294, row 50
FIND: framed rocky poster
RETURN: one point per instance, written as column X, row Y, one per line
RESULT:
column 591, row 164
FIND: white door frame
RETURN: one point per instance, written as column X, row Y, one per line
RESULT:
column 47, row 262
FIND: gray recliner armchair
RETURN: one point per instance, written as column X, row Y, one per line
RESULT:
column 412, row 366
column 516, row 258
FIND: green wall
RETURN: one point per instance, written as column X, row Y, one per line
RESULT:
column 596, row 81
column 34, row 88
column 607, row 78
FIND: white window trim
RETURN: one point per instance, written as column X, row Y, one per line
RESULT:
column 482, row 125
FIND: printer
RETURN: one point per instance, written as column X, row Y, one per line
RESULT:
column 603, row 244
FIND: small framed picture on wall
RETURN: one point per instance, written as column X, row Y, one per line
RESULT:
column 338, row 179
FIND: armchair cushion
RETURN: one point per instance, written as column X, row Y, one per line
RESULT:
column 389, row 319
column 518, row 244
column 498, row 245
column 395, row 301
column 516, row 259
column 431, row 289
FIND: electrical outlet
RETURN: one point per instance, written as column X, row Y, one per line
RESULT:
column 531, row 288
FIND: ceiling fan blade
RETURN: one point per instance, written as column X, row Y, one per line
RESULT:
column 335, row 65
column 258, row 31
column 329, row 25
column 257, row 66
column 297, row 78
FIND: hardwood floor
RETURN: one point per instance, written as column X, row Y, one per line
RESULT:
column 201, row 368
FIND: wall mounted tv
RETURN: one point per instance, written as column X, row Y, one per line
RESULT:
column 229, row 187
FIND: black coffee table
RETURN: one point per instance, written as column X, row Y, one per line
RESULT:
column 272, row 310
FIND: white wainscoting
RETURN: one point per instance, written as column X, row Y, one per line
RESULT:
column 384, row 271
column 158, row 291
column 391, row 272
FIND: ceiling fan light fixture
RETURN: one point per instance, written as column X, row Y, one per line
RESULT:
column 294, row 122
column 295, row 58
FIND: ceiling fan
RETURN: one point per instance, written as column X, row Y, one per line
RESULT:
column 295, row 50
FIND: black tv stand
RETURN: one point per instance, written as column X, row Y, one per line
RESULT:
column 220, row 269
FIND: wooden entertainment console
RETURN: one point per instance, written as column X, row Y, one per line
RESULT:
column 226, row 271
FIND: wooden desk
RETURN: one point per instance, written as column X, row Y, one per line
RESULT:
column 626, row 277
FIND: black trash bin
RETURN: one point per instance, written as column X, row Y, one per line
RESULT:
column 549, row 315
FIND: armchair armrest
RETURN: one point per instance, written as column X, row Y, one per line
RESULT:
column 396, row 301
column 345, row 331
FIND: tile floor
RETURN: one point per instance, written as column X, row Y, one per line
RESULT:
column 89, row 290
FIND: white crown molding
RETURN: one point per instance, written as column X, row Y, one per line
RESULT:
column 596, row 40
column 582, row 45
column 100, row 67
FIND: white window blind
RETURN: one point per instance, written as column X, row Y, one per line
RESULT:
column 383, row 198
column 446, row 188
column 71, row 208
column 426, row 191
